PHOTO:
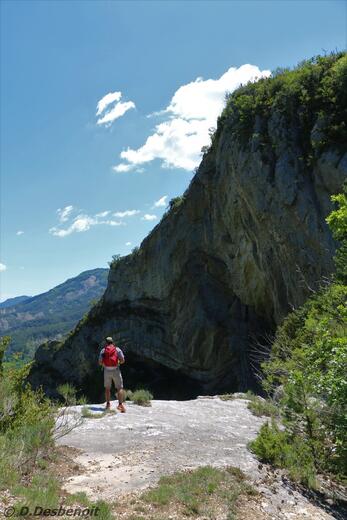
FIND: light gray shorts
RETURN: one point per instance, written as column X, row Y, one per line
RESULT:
column 113, row 374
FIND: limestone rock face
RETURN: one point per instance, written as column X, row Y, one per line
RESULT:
column 224, row 266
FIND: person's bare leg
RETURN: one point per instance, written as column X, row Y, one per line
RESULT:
column 108, row 397
column 120, row 396
column 121, row 399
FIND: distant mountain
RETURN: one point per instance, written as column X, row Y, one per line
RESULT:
column 52, row 314
column 13, row 301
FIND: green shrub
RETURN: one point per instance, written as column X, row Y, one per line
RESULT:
column 176, row 202
column 68, row 393
column 128, row 395
column 4, row 342
column 308, row 359
column 142, row 397
column 26, row 426
column 283, row 451
column 262, row 407
column 116, row 259
column 337, row 221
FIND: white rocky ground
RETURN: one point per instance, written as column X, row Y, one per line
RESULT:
column 123, row 453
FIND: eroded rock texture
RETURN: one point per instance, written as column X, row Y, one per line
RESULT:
column 221, row 270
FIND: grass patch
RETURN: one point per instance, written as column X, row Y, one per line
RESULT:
column 227, row 397
column 257, row 405
column 237, row 395
column 262, row 407
column 203, row 491
column 81, row 500
column 43, row 491
column 140, row 397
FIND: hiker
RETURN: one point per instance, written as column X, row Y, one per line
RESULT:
column 110, row 358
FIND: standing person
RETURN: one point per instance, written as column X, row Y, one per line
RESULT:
column 111, row 357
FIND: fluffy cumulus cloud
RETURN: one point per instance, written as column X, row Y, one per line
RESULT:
column 161, row 203
column 193, row 110
column 128, row 244
column 3, row 267
column 149, row 217
column 19, row 233
column 110, row 108
column 81, row 223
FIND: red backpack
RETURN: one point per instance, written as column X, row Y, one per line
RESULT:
column 110, row 357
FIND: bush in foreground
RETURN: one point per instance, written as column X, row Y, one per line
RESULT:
column 308, row 360
column 140, row 397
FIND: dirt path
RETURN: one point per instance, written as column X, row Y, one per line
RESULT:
column 125, row 453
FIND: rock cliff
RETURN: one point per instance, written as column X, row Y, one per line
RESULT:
column 247, row 242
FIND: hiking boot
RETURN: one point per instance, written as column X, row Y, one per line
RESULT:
column 121, row 407
column 108, row 406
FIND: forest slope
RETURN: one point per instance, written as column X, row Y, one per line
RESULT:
column 52, row 314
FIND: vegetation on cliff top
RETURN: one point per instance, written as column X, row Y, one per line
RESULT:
column 308, row 363
column 312, row 96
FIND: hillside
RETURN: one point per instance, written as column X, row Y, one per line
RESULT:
column 246, row 243
column 52, row 314
column 10, row 302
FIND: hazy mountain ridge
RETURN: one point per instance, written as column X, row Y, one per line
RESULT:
column 11, row 302
column 52, row 314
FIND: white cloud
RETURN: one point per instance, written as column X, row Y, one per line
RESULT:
column 80, row 224
column 117, row 108
column 121, row 168
column 149, row 217
column 117, row 111
column 103, row 214
column 111, row 222
column 127, row 213
column 111, row 97
column 64, row 213
column 161, row 202
column 128, row 244
column 83, row 223
column 3, row 267
column 194, row 108
column 20, row 233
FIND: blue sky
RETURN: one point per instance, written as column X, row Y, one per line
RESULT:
column 59, row 160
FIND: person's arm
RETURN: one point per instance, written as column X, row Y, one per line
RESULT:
column 101, row 356
column 120, row 356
